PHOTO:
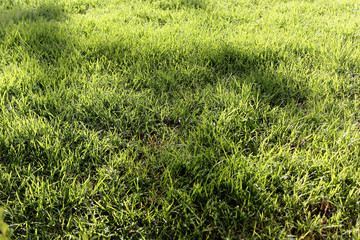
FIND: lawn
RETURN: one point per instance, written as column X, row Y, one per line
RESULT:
column 180, row 119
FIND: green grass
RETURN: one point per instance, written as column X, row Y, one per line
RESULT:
column 180, row 119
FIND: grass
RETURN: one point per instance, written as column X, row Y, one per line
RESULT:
column 181, row 119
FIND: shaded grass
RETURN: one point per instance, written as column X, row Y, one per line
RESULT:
column 179, row 119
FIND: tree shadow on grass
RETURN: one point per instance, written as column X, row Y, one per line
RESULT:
column 235, row 203
column 223, row 202
column 260, row 69
column 46, row 11
column 209, row 66
column 34, row 30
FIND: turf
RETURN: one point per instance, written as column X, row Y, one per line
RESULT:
column 180, row 119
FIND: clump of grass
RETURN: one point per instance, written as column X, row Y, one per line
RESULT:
column 179, row 119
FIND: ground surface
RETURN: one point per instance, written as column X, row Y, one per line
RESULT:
column 188, row 119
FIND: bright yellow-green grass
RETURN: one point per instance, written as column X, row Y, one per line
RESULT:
column 180, row 119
